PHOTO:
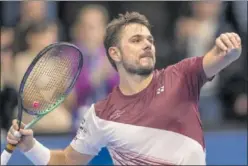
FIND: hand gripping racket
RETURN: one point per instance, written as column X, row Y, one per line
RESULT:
column 46, row 83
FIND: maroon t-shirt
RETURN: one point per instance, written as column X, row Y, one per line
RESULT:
column 163, row 118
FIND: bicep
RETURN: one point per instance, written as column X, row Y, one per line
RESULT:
column 73, row 157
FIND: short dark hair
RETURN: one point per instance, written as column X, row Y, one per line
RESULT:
column 116, row 25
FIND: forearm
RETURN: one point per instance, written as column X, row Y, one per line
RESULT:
column 57, row 157
column 40, row 155
column 214, row 61
column 226, row 50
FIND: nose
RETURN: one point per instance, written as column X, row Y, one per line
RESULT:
column 148, row 45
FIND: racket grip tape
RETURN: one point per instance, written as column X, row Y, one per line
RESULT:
column 10, row 148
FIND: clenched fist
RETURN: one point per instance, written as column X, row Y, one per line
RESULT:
column 228, row 42
column 23, row 139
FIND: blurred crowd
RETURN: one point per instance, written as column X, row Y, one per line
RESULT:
column 181, row 29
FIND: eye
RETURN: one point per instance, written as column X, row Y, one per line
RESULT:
column 136, row 40
column 151, row 40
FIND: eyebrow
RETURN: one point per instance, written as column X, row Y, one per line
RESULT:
column 138, row 35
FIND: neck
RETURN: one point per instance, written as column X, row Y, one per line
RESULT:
column 131, row 84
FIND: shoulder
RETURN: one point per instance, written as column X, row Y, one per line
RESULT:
column 187, row 65
column 191, row 61
column 102, row 104
column 167, row 71
column 180, row 69
column 103, row 107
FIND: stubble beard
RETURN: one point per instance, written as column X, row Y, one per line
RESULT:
column 137, row 70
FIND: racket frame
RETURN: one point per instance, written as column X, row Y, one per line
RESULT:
column 59, row 101
column 31, row 66
column 6, row 154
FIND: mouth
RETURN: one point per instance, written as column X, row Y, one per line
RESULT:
column 146, row 55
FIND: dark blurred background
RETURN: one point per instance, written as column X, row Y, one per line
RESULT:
column 181, row 29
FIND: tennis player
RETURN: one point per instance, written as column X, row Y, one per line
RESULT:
column 152, row 117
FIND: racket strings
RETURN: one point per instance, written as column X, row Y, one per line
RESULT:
column 30, row 89
column 50, row 78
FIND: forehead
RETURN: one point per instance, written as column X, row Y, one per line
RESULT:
column 134, row 29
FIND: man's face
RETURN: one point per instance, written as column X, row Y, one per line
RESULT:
column 137, row 49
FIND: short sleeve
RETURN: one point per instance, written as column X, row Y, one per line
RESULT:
column 89, row 138
column 192, row 68
column 194, row 76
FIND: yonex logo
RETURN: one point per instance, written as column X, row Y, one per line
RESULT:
column 160, row 90
column 116, row 114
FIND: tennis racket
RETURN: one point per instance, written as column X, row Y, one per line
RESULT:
column 46, row 83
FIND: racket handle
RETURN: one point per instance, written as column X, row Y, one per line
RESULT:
column 6, row 154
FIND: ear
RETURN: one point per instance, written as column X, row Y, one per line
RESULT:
column 115, row 54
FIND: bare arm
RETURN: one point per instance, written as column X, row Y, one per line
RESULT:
column 41, row 155
column 226, row 50
column 84, row 146
column 69, row 157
